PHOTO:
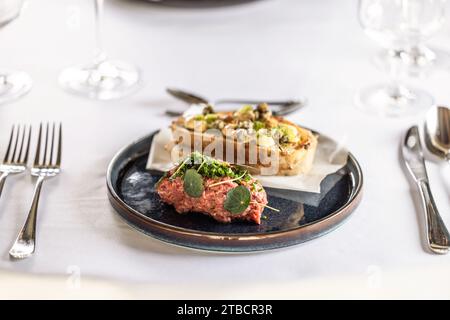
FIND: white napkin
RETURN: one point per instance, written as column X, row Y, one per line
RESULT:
column 329, row 158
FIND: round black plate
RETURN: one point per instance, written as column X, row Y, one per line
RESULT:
column 132, row 193
column 199, row 3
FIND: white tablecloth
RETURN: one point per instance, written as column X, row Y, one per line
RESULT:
column 272, row 49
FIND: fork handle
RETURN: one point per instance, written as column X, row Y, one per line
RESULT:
column 438, row 236
column 2, row 181
column 25, row 243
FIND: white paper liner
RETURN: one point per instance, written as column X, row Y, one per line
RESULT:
column 329, row 158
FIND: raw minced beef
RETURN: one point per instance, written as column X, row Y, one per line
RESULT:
column 211, row 201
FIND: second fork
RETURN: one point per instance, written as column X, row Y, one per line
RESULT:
column 47, row 163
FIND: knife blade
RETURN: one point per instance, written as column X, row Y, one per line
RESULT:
column 437, row 234
column 413, row 155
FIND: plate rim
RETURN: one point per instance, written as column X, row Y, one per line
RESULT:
column 350, row 205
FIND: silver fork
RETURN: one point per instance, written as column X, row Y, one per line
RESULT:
column 47, row 163
column 16, row 156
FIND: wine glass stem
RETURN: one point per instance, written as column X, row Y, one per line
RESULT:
column 100, row 55
column 395, row 89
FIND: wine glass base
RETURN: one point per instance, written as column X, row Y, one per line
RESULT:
column 14, row 85
column 106, row 80
column 382, row 101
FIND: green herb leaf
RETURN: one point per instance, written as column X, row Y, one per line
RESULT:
column 230, row 180
column 237, row 200
column 193, row 183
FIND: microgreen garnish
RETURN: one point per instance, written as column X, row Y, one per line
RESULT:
column 195, row 167
column 230, row 180
column 181, row 166
column 203, row 162
column 272, row 208
column 237, row 200
column 257, row 187
column 266, row 206
column 193, row 183
column 209, row 168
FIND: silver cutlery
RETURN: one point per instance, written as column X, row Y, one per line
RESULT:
column 16, row 156
column 47, row 164
column 283, row 107
column 437, row 234
column 437, row 132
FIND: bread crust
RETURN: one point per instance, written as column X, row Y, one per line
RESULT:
column 297, row 159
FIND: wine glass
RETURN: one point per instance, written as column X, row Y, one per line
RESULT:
column 13, row 84
column 422, row 19
column 398, row 26
column 103, row 78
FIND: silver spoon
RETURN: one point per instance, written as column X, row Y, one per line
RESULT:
column 437, row 132
column 284, row 107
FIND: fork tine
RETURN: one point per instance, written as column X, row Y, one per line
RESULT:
column 19, row 157
column 13, row 156
column 58, row 155
column 5, row 160
column 52, row 145
column 38, row 147
column 25, row 160
column 44, row 161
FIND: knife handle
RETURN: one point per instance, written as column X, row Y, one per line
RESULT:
column 437, row 233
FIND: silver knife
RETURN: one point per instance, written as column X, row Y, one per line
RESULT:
column 285, row 107
column 437, row 234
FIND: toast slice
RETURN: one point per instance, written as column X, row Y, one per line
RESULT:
column 264, row 144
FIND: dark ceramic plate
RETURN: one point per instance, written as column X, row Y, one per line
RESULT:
column 199, row 3
column 131, row 190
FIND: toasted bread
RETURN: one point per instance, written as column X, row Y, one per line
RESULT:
column 287, row 159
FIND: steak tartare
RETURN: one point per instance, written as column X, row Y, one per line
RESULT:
column 215, row 188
